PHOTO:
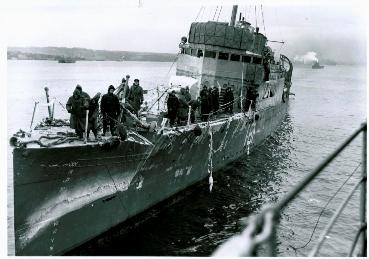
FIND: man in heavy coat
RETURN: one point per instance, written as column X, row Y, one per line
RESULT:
column 77, row 105
column 205, row 107
column 172, row 105
column 110, row 109
column 93, row 115
column 136, row 96
column 215, row 99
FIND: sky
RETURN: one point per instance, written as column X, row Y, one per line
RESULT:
column 326, row 27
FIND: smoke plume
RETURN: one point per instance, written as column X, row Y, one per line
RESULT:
column 308, row 58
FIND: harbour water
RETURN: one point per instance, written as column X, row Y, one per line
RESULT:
column 329, row 104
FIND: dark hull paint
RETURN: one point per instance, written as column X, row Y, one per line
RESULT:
column 66, row 196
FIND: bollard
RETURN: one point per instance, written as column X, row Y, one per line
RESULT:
column 47, row 99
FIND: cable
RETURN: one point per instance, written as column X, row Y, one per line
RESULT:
column 262, row 15
column 215, row 13
column 325, row 206
column 221, row 7
column 256, row 18
column 199, row 13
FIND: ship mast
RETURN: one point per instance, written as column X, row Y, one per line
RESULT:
column 234, row 13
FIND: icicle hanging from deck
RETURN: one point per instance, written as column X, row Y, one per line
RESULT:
column 210, row 160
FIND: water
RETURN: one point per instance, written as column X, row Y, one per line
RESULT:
column 329, row 105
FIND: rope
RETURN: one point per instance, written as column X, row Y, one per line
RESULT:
column 325, row 206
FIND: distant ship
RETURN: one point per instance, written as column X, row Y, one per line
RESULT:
column 67, row 191
column 316, row 65
column 66, row 60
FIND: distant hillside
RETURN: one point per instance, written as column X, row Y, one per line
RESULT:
column 55, row 53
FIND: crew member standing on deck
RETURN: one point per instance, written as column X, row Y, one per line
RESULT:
column 136, row 96
column 182, row 114
column 123, row 91
column 187, row 94
column 77, row 106
column 93, row 115
column 110, row 108
column 215, row 99
column 172, row 105
column 228, row 100
column 205, row 109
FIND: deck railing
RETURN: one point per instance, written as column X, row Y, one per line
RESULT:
column 262, row 227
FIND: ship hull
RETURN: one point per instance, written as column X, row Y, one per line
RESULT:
column 64, row 197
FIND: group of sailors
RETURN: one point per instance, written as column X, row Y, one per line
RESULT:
column 208, row 103
column 117, row 103
column 111, row 107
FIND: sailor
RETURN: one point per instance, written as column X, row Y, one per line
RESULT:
column 172, row 105
column 251, row 97
column 136, row 96
column 93, row 115
column 77, row 105
column 183, row 107
column 195, row 104
column 187, row 94
column 228, row 100
column 215, row 99
column 221, row 95
column 205, row 109
column 266, row 70
column 110, row 109
column 123, row 91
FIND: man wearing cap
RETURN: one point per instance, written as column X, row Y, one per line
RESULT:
column 110, row 109
column 136, row 96
column 77, row 105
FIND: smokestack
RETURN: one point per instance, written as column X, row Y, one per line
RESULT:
column 257, row 29
column 234, row 13
column 240, row 17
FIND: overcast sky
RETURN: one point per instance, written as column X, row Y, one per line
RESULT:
column 332, row 29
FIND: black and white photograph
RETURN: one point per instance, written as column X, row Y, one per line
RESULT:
column 185, row 128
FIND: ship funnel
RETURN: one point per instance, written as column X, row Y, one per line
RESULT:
column 234, row 13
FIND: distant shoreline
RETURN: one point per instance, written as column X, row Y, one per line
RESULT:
column 81, row 54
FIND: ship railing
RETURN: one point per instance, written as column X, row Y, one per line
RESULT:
column 262, row 227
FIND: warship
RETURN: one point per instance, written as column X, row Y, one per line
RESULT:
column 66, row 60
column 68, row 191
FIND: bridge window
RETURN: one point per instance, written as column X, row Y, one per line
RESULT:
column 246, row 59
column 187, row 51
column 256, row 60
column 200, row 53
column 193, row 52
column 223, row 56
column 235, row 57
column 210, row 54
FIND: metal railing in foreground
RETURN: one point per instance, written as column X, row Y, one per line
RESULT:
column 262, row 228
